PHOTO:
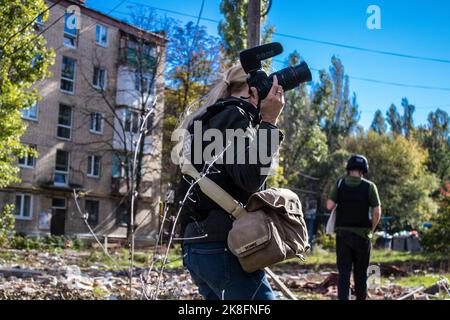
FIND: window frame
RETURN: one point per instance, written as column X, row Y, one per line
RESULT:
column 39, row 22
column 61, row 172
column 105, row 28
column 62, row 78
column 101, row 123
column 150, row 125
column 133, row 115
column 20, row 215
column 59, row 207
column 147, row 82
column 120, row 214
column 105, row 79
column 66, row 34
column 89, row 214
column 117, row 160
column 27, row 158
column 58, row 125
column 26, row 116
column 91, row 166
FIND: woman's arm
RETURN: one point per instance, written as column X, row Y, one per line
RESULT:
column 251, row 154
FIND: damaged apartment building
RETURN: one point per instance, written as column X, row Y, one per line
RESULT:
column 86, row 125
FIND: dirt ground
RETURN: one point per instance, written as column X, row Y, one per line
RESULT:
column 66, row 274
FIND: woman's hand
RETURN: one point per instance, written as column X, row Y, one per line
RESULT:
column 272, row 105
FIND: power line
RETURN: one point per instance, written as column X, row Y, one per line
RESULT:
column 28, row 24
column 92, row 24
column 199, row 17
column 267, row 9
column 340, row 45
column 194, row 41
column 415, row 107
column 56, row 21
column 398, row 84
column 335, row 44
column 173, row 11
column 329, row 43
column 38, row 35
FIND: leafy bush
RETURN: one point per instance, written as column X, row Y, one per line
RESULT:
column 326, row 241
column 46, row 243
column 7, row 221
column 437, row 238
column 24, row 243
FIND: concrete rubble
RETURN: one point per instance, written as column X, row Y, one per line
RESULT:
column 63, row 275
column 327, row 287
column 50, row 276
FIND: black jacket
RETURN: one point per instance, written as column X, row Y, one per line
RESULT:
column 201, row 216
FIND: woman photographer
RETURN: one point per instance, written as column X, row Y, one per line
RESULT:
column 205, row 226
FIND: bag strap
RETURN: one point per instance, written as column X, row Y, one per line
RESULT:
column 207, row 186
column 214, row 191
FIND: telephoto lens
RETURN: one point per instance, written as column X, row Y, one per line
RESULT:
column 289, row 78
column 292, row 76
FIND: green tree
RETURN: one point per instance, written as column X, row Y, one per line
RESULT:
column 316, row 123
column 233, row 28
column 305, row 143
column 394, row 120
column 337, row 112
column 398, row 168
column 23, row 61
column 408, row 117
column 7, row 220
column 193, row 62
column 435, row 138
column 192, row 58
column 437, row 239
column 379, row 123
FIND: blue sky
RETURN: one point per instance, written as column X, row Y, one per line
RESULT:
column 420, row 28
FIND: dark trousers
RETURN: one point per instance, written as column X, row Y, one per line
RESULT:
column 352, row 250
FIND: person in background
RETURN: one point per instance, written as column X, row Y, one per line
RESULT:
column 354, row 197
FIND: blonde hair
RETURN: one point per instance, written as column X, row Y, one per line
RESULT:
column 230, row 81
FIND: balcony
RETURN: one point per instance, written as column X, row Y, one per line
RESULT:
column 134, row 52
column 129, row 91
column 134, row 58
column 118, row 186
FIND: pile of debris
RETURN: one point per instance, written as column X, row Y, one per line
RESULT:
column 49, row 276
column 328, row 288
column 66, row 275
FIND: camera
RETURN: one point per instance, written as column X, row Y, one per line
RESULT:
column 288, row 78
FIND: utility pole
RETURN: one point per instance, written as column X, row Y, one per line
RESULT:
column 253, row 23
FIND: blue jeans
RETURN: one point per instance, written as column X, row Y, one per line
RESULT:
column 219, row 275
